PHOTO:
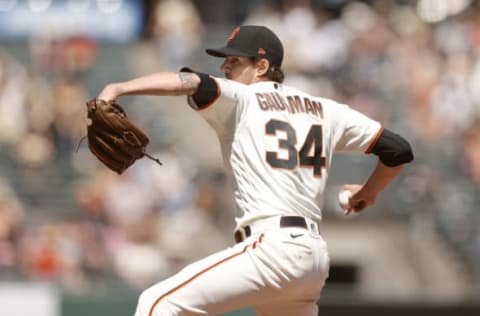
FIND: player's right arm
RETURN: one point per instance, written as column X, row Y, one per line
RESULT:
column 393, row 152
column 162, row 83
column 358, row 133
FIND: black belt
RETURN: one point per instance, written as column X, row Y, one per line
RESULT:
column 285, row 221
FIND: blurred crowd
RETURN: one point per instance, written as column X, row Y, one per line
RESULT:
column 419, row 78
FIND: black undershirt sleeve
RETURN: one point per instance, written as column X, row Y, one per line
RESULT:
column 207, row 91
column 392, row 149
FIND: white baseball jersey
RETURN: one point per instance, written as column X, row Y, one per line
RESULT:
column 277, row 142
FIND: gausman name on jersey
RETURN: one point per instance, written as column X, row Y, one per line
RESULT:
column 274, row 101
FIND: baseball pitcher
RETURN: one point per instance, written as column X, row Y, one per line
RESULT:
column 277, row 143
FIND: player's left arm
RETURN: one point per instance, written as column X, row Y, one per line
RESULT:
column 393, row 152
column 162, row 83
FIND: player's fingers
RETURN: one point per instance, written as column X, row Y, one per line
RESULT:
column 347, row 211
column 359, row 205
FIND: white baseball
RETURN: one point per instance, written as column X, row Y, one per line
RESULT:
column 343, row 198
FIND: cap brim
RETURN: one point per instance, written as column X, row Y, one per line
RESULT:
column 226, row 51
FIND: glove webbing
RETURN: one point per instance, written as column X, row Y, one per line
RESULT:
column 145, row 153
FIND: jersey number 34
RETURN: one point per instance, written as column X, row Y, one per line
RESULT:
column 304, row 157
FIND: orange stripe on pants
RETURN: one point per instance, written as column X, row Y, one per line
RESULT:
column 150, row 313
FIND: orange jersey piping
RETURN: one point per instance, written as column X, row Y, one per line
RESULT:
column 214, row 100
column 375, row 140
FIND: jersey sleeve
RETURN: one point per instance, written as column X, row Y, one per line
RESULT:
column 220, row 110
column 355, row 131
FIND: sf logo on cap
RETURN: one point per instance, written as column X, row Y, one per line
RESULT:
column 234, row 33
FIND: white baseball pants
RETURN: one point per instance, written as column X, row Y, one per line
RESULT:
column 278, row 271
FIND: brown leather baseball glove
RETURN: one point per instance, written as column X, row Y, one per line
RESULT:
column 112, row 137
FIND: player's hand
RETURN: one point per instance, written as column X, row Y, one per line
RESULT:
column 359, row 199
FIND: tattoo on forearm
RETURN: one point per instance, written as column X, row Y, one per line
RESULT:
column 187, row 80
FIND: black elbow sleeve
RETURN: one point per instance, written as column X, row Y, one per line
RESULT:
column 207, row 91
column 392, row 149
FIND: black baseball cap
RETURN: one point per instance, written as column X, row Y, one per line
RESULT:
column 252, row 41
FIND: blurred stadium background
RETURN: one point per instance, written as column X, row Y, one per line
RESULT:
column 76, row 239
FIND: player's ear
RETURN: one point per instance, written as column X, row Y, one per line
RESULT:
column 262, row 67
